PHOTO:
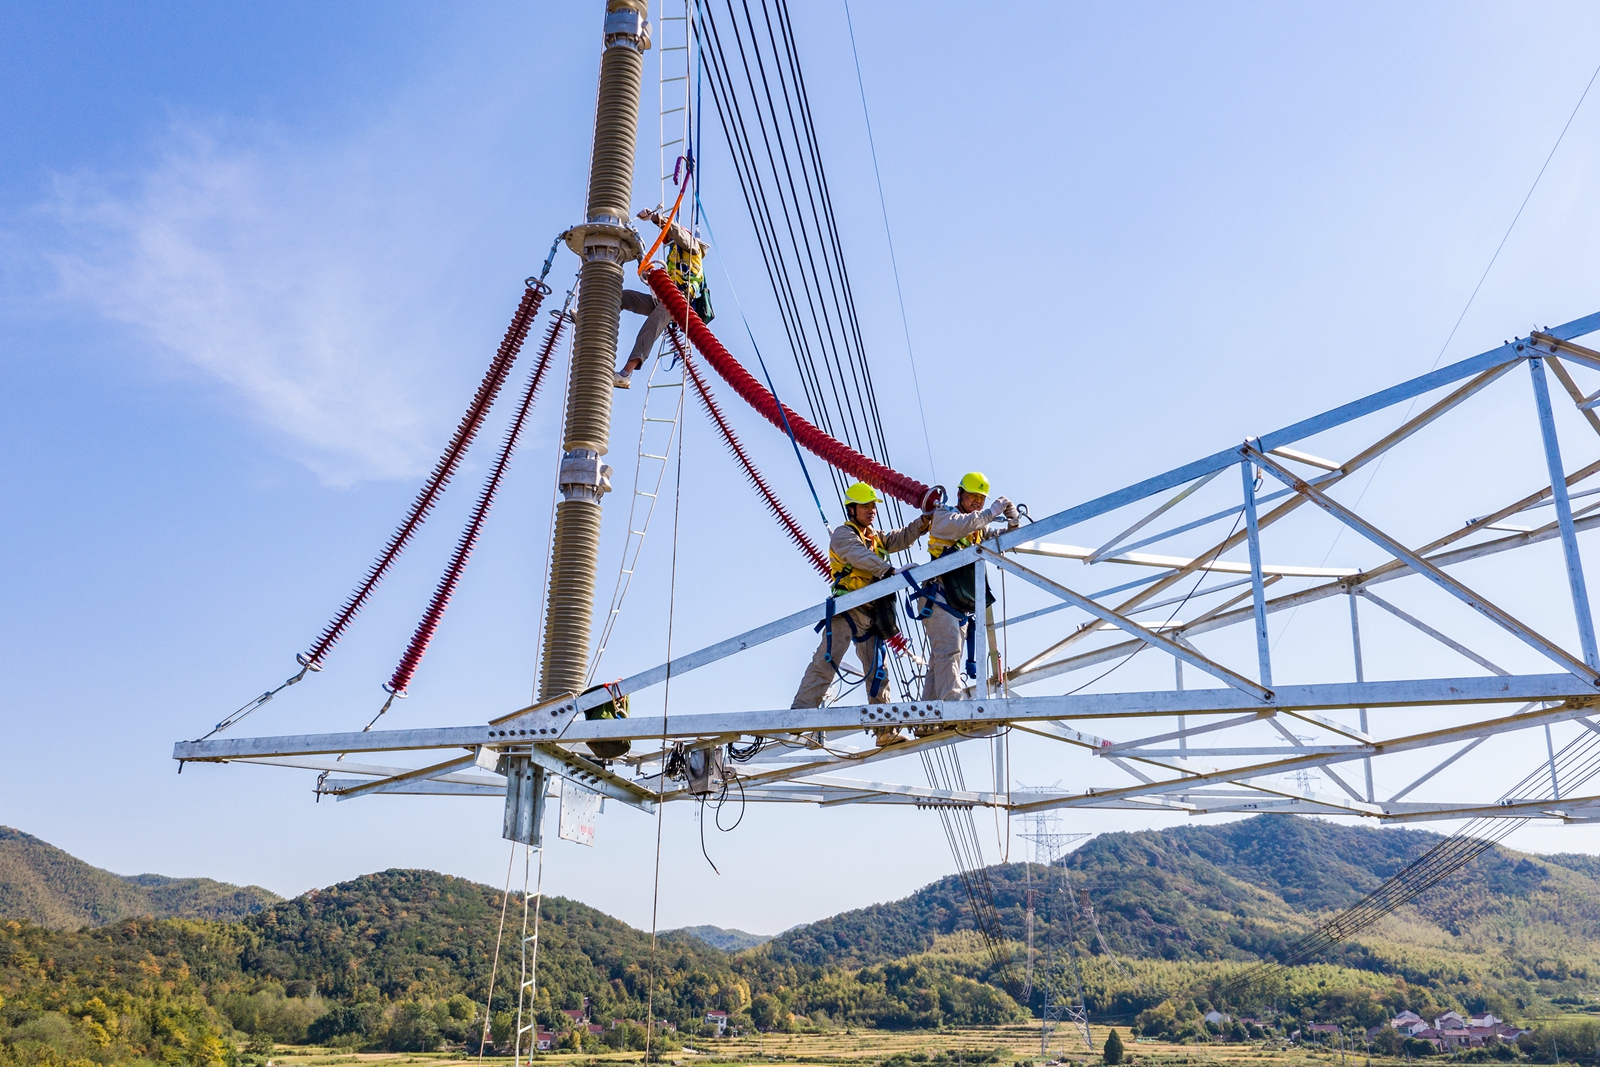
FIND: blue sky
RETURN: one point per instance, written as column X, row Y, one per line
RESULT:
column 254, row 259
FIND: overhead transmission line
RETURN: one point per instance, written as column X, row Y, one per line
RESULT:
column 1577, row 763
column 760, row 96
column 752, row 66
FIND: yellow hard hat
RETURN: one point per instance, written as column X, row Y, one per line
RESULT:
column 862, row 493
column 975, row 482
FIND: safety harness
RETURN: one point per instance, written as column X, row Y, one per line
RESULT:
column 928, row 592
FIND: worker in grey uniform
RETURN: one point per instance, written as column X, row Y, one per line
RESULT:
column 858, row 555
column 686, row 267
column 951, row 528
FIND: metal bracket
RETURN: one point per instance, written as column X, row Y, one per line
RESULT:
column 901, row 714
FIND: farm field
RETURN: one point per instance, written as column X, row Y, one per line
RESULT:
column 947, row 1048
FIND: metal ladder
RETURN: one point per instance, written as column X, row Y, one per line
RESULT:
column 676, row 59
column 675, row 51
column 656, row 435
column 527, row 983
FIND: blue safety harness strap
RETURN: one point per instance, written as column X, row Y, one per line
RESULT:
column 926, row 592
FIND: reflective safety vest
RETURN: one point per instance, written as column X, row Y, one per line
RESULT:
column 845, row 577
column 938, row 546
column 686, row 268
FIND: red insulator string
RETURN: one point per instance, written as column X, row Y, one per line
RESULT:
column 832, row 451
column 493, row 379
column 731, row 439
column 469, row 536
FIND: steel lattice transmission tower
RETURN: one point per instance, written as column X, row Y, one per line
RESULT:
column 1050, row 845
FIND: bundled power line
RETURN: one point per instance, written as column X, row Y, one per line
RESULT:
column 760, row 96
column 1576, row 763
column 943, row 767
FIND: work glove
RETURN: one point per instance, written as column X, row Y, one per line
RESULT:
column 999, row 506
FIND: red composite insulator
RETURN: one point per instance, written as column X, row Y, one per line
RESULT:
column 469, row 536
column 433, row 488
column 835, row 453
column 731, row 439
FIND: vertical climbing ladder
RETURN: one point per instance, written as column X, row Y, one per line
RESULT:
column 527, row 982
column 656, row 432
column 676, row 56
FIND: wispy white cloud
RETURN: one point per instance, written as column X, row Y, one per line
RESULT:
column 280, row 272
column 322, row 280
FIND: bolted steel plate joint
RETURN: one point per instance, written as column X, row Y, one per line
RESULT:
column 627, row 27
column 583, row 476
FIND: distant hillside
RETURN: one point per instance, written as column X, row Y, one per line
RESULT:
column 1239, row 891
column 43, row 885
column 726, row 940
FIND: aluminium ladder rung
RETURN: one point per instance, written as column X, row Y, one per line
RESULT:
column 675, row 110
column 651, row 418
column 648, row 455
column 674, row 78
column 668, row 385
column 675, row 48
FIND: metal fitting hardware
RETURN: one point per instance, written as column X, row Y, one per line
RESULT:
column 627, row 28
column 584, row 476
column 601, row 238
column 901, row 713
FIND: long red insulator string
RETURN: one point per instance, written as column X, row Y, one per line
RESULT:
column 731, row 439
column 832, row 451
column 434, row 487
column 469, row 536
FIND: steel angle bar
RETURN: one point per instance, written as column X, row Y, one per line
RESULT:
column 1485, row 376
column 1388, row 572
column 1240, row 775
column 1334, row 725
column 1563, row 505
column 1183, row 494
column 312, row 763
column 970, row 716
column 1355, row 805
column 1245, row 750
column 316, row 744
column 1306, row 458
column 919, row 792
column 385, row 785
column 1505, row 809
column 1145, row 559
column 1342, row 784
column 591, row 776
column 1441, row 765
column 1149, row 637
column 1450, row 585
column 421, row 787
column 1453, row 645
column 826, row 760
column 1584, row 404
column 1187, row 731
column 1258, row 591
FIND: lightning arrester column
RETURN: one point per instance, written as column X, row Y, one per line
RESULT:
column 606, row 242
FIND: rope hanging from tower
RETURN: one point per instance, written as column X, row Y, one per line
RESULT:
column 900, row 486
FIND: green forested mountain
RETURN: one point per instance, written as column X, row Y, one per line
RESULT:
column 723, row 938
column 402, row 958
column 43, row 885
